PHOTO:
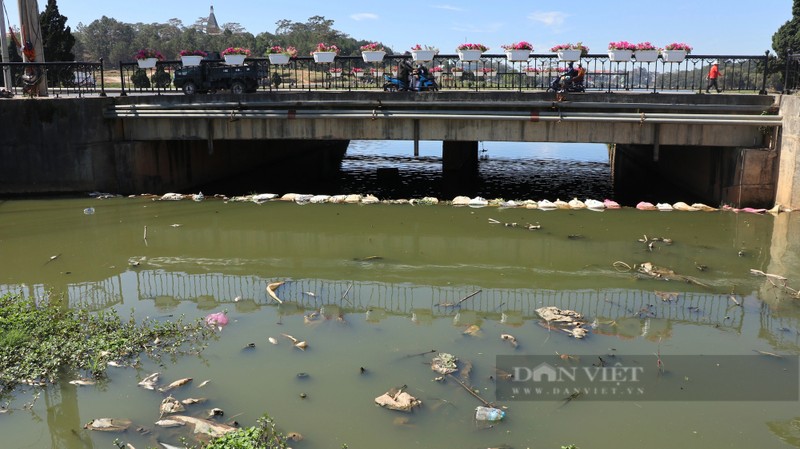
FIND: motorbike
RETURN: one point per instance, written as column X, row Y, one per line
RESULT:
column 425, row 83
column 568, row 86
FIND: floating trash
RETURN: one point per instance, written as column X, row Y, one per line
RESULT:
column 89, row 211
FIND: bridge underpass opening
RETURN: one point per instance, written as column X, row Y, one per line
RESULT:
column 390, row 170
column 509, row 170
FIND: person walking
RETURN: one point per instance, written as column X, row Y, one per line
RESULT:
column 713, row 77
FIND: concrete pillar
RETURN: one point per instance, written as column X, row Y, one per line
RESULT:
column 459, row 168
column 741, row 177
column 788, row 187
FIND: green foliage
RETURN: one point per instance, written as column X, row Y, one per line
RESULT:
column 263, row 435
column 41, row 341
column 57, row 38
column 788, row 35
column 161, row 78
column 114, row 41
column 140, row 79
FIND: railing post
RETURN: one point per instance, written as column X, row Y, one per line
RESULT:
column 122, row 81
column 763, row 90
column 786, row 74
column 102, row 79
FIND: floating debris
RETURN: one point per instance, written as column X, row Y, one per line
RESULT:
column 176, row 384
column 149, row 382
column 568, row 321
column 169, row 423
column 218, row 320
column 398, row 399
column 271, row 291
column 82, row 382
column 444, row 363
column 576, row 204
column 273, row 340
column 108, row 424
column 198, row 197
column 473, row 330
column 192, row 401
column 297, row 343
column 547, row 205
column 171, row 197
column 204, row 426
column 510, row 338
column 170, row 405
column 204, row 383
column 667, row 296
column 644, row 205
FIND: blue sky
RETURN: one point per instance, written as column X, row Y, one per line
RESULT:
column 734, row 27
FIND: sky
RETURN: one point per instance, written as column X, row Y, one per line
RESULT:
column 733, row 27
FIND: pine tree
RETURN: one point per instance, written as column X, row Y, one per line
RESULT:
column 788, row 35
column 57, row 38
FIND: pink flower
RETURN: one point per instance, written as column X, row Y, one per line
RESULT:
column 218, row 319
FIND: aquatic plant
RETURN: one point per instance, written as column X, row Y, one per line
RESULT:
column 41, row 341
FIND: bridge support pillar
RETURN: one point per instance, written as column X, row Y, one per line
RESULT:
column 740, row 177
column 459, row 167
column 788, row 189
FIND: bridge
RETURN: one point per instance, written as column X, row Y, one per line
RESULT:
column 725, row 148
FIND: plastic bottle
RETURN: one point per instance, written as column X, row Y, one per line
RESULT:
column 489, row 414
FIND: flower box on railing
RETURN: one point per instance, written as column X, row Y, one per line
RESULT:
column 646, row 55
column 324, row 57
column 146, row 63
column 373, row 56
column 673, row 55
column 423, row 55
column 278, row 58
column 620, row 55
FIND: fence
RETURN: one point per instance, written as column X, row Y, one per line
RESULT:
column 62, row 78
column 350, row 73
column 491, row 72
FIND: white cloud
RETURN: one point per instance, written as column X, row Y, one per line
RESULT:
column 364, row 16
column 549, row 18
column 448, row 7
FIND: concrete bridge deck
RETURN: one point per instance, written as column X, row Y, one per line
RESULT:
column 641, row 119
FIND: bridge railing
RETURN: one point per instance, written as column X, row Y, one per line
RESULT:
column 72, row 78
column 491, row 72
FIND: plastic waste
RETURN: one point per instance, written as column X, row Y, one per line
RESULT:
column 88, row 211
column 489, row 414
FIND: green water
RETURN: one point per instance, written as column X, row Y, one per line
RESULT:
column 381, row 275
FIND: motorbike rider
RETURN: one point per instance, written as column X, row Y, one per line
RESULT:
column 404, row 70
column 419, row 74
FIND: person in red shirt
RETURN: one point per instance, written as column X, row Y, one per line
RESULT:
column 713, row 76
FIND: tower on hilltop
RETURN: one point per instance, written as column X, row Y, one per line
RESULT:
column 212, row 27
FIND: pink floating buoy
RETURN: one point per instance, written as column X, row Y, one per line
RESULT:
column 644, row 205
column 218, row 319
column 611, row 204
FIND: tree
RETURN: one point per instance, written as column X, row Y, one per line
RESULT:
column 788, row 35
column 108, row 39
column 57, row 38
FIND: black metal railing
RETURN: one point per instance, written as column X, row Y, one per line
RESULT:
column 492, row 72
column 61, row 78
